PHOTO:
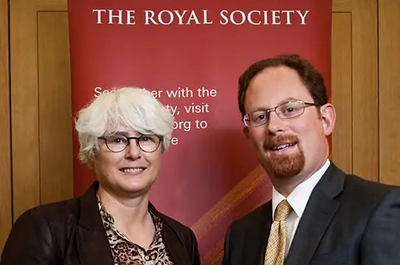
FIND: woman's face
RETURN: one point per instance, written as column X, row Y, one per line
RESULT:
column 129, row 173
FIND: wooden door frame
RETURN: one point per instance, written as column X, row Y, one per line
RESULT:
column 5, row 139
column 358, row 110
column 25, row 101
column 389, row 91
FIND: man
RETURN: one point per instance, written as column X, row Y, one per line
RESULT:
column 318, row 214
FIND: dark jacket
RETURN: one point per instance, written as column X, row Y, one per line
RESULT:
column 71, row 232
column 347, row 220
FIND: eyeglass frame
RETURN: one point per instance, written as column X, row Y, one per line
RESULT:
column 268, row 111
column 137, row 139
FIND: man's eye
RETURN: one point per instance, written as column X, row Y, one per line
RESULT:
column 289, row 109
column 259, row 117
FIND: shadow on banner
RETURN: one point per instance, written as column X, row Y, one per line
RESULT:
column 190, row 55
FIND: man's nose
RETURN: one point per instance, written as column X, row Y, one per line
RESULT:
column 275, row 124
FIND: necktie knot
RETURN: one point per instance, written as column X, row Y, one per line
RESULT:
column 282, row 211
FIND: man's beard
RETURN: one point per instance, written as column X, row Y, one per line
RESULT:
column 283, row 166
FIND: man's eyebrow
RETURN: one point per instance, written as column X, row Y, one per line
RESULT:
column 286, row 100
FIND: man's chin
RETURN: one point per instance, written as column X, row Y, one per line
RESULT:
column 284, row 167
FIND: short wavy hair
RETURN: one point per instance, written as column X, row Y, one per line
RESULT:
column 134, row 108
column 310, row 77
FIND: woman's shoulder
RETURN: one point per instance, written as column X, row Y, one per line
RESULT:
column 43, row 230
column 53, row 213
column 66, row 211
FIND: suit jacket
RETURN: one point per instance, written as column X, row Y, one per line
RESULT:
column 72, row 233
column 347, row 220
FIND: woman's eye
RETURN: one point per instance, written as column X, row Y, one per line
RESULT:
column 149, row 138
column 145, row 138
column 117, row 140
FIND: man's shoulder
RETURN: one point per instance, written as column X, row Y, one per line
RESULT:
column 365, row 194
column 251, row 219
column 358, row 185
column 340, row 183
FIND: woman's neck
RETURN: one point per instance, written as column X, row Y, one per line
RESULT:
column 127, row 212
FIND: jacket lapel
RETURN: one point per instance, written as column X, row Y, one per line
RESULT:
column 175, row 248
column 257, row 236
column 317, row 216
column 172, row 241
column 92, row 241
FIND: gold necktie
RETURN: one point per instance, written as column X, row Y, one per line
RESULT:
column 275, row 254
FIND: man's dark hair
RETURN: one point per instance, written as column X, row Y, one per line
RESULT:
column 311, row 78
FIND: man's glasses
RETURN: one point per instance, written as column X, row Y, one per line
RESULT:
column 118, row 143
column 286, row 110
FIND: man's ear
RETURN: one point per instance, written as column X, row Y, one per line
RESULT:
column 328, row 118
column 246, row 132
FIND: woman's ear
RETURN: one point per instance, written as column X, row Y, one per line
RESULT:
column 328, row 118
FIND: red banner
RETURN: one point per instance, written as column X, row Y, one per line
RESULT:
column 190, row 54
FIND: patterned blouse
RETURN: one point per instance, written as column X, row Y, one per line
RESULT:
column 125, row 252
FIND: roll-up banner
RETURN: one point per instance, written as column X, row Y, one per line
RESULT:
column 189, row 54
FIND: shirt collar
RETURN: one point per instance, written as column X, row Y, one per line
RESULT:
column 298, row 198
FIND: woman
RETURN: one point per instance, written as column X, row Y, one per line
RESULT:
column 122, row 137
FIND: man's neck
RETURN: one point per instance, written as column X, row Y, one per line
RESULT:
column 285, row 185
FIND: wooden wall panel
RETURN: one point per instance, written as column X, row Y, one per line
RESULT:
column 365, row 89
column 24, row 106
column 344, row 6
column 55, row 115
column 5, row 162
column 389, row 91
column 50, row 5
column 36, row 166
column 342, row 137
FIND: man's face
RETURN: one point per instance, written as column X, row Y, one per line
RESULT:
column 287, row 148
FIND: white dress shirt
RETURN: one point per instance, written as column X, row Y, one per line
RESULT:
column 297, row 199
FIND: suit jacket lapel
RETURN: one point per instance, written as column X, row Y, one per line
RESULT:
column 174, row 246
column 172, row 242
column 256, row 237
column 91, row 238
column 317, row 216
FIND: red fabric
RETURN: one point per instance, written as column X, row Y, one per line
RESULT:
column 207, row 164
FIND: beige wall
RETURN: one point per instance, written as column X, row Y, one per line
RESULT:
column 365, row 91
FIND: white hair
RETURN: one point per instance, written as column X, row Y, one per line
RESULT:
column 134, row 108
